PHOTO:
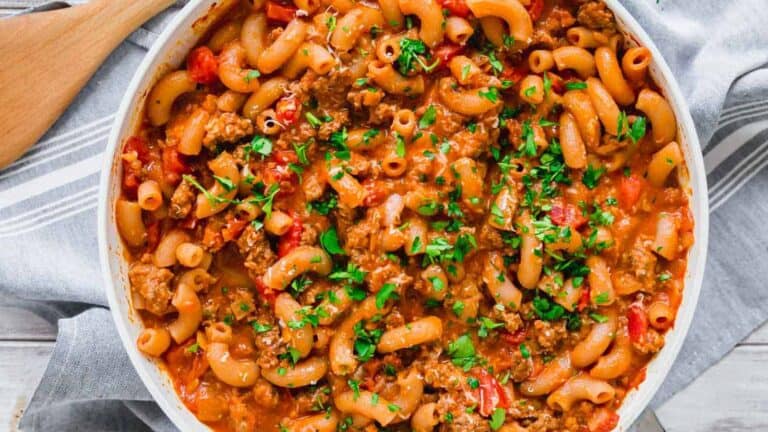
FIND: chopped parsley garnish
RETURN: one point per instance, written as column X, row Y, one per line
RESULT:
column 496, row 66
column 352, row 274
column 591, row 176
column 602, row 298
column 548, row 310
column 576, row 85
column 298, row 285
column 251, row 75
column 366, row 341
column 259, row 144
column 266, row 199
column 324, row 207
column 313, row 120
column 637, row 131
column 621, row 126
column 524, row 351
column 410, row 49
column 399, row 145
column 330, row 242
column 473, row 382
column 260, row 328
column 462, row 352
column 486, row 325
column 492, row 94
column 338, row 140
column 386, row 292
column 355, row 386
column 458, row 308
column 528, row 146
column 301, row 152
column 226, row 183
column 292, row 355
column 429, row 117
column 497, row 418
column 193, row 348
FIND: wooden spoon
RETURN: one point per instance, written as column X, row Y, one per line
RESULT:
column 47, row 57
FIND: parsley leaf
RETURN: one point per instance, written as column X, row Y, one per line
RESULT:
column 330, row 242
column 366, row 341
column 492, row 94
column 462, row 352
column 576, row 85
column 259, row 144
column 428, row 119
column 591, row 176
column 497, row 418
column 386, row 292
column 637, row 131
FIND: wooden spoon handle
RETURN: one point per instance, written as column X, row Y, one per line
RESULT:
column 48, row 57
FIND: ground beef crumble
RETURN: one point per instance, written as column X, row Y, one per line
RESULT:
column 153, row 284
column 255, row 248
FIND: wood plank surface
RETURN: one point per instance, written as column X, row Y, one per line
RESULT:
column 21, row 366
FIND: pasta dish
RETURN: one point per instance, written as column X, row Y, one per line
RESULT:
column 426, row 215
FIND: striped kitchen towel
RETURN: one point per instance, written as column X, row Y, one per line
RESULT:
column 48, row 252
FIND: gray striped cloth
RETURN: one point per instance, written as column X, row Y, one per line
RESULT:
column 48, row 252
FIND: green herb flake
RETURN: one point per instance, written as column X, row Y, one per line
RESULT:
column 386, row 292
column 330, row 242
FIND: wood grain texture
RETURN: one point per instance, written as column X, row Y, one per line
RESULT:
column 21, row 366
column 17, row 324
column 52, row 63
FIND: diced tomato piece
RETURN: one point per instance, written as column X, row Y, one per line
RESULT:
column 279, row 12
column 686, row 220
column 446, row 51
column 287, row 110
column 233, row 228
column 138, row 145
column 558, row 85
column 285, row 156
column 202, row 65
column 291, row 239
column 566, row 214
column 535, row 9
column 585, row 298
column 515, row 338
column 131, row 183
column 132, row 175
column 278, row 171
column 637, row 379
column 267, row 294
column 456, row 7
column 173, row 165
column 194, row 364
column 375, row 192
column 637, row 323
column 630, row 189
column 514, row 74
column 153, row 235
column 491, row 394
column 603, row 421
column 190, row 222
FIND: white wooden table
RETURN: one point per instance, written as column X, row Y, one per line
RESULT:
column 730, row 397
